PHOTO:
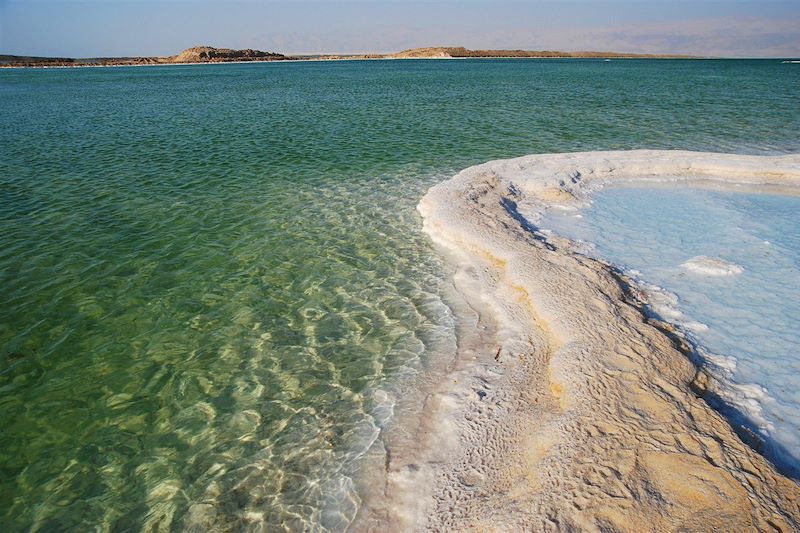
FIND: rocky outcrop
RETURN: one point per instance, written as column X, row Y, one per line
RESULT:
column 444, row 52
column 209, row 54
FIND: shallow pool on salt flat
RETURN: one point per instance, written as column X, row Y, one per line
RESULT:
column 729, row 267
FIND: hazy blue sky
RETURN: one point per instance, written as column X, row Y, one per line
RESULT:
column 152, row 27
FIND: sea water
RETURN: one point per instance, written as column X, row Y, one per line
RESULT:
column 214, row 281
column 725, row 266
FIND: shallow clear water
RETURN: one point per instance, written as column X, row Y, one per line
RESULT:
column 744, row 312
column 213, row 277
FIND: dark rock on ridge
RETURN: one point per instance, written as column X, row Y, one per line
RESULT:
column 208, row 54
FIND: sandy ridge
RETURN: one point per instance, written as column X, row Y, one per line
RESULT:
column 567, row 410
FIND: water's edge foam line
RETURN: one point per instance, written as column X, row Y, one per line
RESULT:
column 578, row 411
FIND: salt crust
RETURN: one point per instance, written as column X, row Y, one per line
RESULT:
column 566, row 408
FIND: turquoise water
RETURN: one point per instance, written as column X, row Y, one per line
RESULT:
column 744, row 315
column 214, row 277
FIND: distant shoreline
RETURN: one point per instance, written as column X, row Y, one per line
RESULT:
column 204, row 55
column 344, row 58
column 308, row 60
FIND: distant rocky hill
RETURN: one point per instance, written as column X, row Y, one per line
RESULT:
column 209, row 54
column 444, row 52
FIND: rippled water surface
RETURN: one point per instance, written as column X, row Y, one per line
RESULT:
column 213, row 276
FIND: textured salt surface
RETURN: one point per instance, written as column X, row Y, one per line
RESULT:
column 568, row 408
column 741, row 311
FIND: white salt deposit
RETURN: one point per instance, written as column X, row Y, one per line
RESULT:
column 712, row 266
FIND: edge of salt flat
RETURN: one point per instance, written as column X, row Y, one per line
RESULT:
column 577, row 410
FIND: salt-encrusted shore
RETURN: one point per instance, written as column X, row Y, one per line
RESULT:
column 567, row 408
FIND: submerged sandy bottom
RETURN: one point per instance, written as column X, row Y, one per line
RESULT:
column 566, row 407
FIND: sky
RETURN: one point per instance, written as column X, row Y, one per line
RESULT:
column 92, row 28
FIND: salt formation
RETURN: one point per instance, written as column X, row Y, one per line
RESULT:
column 567, row 408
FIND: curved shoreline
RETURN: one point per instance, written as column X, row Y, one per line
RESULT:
column 566, row 408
